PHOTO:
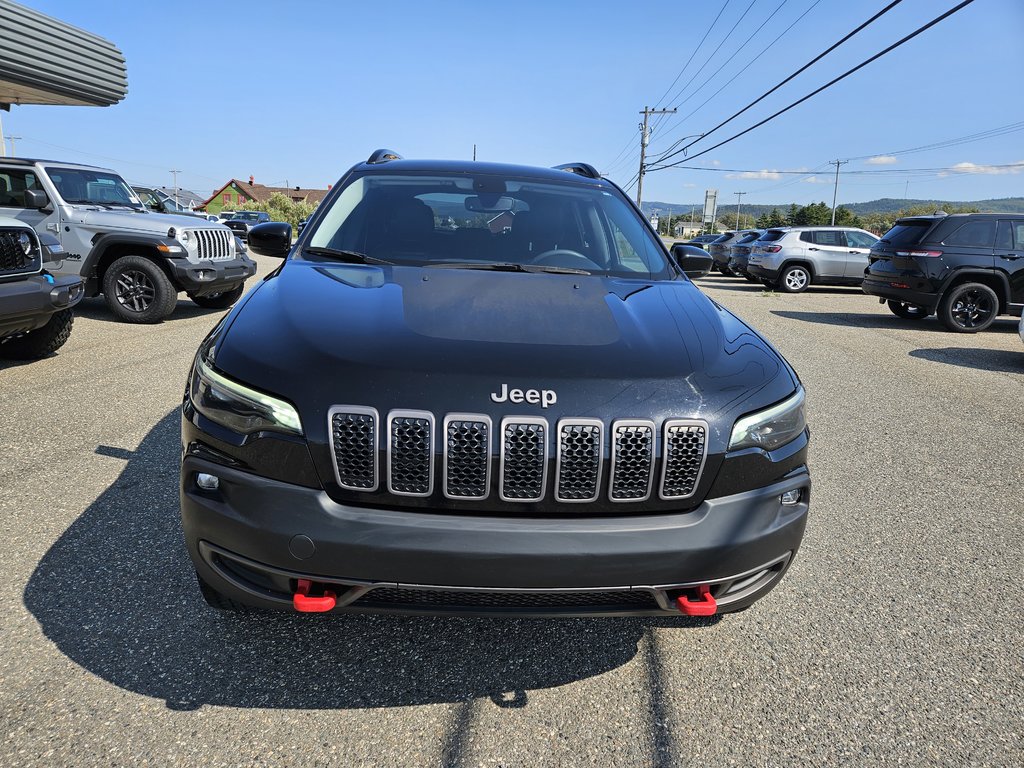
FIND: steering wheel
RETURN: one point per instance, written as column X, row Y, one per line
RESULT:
column 563, row 257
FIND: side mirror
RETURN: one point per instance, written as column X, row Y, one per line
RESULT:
column 272, row 238
column 695, row 262
column 36, row 198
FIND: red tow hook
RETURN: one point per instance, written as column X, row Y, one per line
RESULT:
column 303, row 603
column 705, row 605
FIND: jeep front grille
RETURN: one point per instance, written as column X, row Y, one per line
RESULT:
column 467, row 451
column 213, row 243
column 467, row 456
column 13, row 259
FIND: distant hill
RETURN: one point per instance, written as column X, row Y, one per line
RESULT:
column 885, row 205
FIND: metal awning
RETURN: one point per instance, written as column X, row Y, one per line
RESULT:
column 46, row 61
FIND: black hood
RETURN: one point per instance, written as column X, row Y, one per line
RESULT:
column 443, row 340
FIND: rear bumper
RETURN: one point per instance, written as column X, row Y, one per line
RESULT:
column 254, row 538
column 762, row 273
column 883, row 288
column 206, row 277
column 28, row 304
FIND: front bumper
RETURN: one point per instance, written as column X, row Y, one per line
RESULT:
column 28, row 304
column 211, row 276
column 254, row 538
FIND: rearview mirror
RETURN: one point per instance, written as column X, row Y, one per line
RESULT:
column 272, row 238
column 489, row 203
column 695, row 262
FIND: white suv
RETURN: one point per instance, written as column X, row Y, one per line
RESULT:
column 792, row 258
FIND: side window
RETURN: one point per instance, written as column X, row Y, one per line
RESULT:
column 13, row 183
column 1010, row 235
column 980, row 233
column 830, row 237
column 807, row 237
column 860, row 240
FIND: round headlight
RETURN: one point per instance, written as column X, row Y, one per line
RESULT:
column 184, row 236
column 25, row 242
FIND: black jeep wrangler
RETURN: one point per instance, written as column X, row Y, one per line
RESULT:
column 533, row 411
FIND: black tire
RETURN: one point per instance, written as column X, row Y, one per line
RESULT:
column 138, row 291
column 215, row 599
column 969, row 308
column 795, row 279
column 221, row 300
column 41, row 342
column 907, row 311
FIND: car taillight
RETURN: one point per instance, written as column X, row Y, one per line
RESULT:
column 908, row 254
column 771, row 248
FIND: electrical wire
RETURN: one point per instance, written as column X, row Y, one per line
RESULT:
column 702, row 40
column 827, row 85
column 802, row 69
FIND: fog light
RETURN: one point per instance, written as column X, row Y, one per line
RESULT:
column 207, row 482
column 789, row 498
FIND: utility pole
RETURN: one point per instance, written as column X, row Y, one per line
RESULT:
column 738, row 196
column 474, row 153
column 692, row 209
column 645, row 139
column 175, row 173
column 13, row 138
column 835, row 191
column 3, row 144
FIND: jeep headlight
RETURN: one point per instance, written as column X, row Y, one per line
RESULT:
column 773, row 427
column 238, row 407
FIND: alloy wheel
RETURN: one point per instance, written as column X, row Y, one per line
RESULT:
column 972, row 309
column 135, row 291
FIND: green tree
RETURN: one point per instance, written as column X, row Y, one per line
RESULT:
column 281, row 208
column 769, row 220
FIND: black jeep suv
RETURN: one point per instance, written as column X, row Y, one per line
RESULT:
column 532, row 412
column 968, row 268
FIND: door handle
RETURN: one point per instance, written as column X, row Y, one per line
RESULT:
column 1010, row 256
column 812, row 249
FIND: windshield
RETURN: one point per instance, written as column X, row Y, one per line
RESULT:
column 488, row 222
column 77, row 185
column 247, row 216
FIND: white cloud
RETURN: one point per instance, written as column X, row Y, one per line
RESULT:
column 773, row 175
column 716, row 162
column 816, row 180
column 689, row 186
column 989, row 170
column 882, row 160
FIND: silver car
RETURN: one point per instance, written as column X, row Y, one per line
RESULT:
column 793, row 258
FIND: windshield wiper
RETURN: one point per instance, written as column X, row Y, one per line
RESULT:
column 508, row 266
column 349, row 257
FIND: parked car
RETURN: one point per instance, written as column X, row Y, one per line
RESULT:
column 225, row 216
column 966, row 267
column 794, row 258
column 243, row 221
column 739, row 253
column 703, row 240
column 721, row 249
column 36, row 313
column 138, row 260
column 546, row 420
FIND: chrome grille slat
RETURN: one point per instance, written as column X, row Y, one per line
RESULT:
column 524, row 458
column 411, row 453
column 684, row 449
column 354, row 446
column 467, row 456
column 580, row 456
column 212, row 243
column 632, row 460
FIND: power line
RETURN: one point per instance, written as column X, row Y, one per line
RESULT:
column 827, row 85
column 989, row 134
column 702, row 40
column 802, row 69
column 645, row 137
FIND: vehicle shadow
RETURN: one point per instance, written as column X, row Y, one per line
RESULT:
column 96, row 309
column 117, row 595
column 862, row 320
column 997, row 360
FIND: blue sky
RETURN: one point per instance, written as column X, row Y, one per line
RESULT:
column 298, row 92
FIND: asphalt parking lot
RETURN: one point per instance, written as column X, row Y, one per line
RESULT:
column 895, row 639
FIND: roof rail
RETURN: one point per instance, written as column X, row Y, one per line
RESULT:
column 383, row 155
column 582, row 169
